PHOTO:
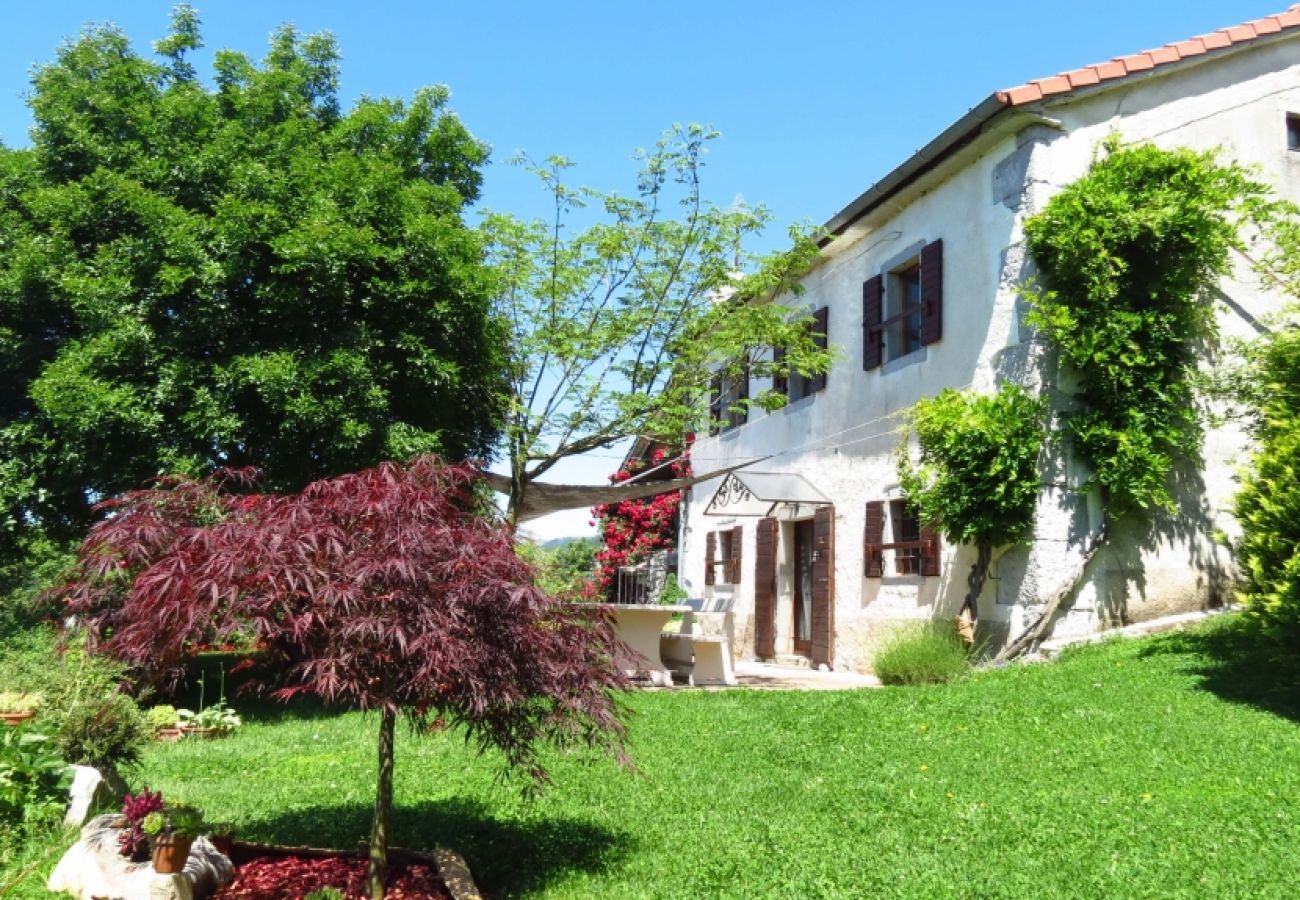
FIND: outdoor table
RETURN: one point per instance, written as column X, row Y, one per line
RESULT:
column 638, row 625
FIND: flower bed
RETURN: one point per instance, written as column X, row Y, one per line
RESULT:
column 282, row 873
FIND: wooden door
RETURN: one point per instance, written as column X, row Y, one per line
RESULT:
column 765, row 589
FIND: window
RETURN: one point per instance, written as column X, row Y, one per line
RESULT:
column 902, row 309
column 722, row 556
column 894, row 543
column 1292, row 131
column 727, row 408
column 797, row 386
column 906, row 538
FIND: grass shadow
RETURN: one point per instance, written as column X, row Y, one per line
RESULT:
column 1239, row 662
column 506, row 857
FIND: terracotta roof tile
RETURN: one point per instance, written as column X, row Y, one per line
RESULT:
column 1150, row 59
column 1110, row 70
column 1082, row 77
column 1137, row 62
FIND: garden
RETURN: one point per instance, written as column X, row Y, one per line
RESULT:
column 1158, row 767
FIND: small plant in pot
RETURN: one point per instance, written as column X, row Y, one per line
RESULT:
column 133, row 842
column 18, row 707
column 171, row 831
column 165, row 722
column 222, row 836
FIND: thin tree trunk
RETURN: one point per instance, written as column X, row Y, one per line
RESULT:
column 1039, row 628
column 979, row 572
column 383, row 807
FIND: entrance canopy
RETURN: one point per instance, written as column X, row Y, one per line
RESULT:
column 776, row 495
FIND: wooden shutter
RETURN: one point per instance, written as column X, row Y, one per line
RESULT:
column 873, row 310
column 780, row 382
column 823, row 598
column 821, row 337
column 931, row 292
column 872, row 537
column 765, row 589
column 715, row 404
column 930, row 548
column 733, row 564
column 710, row 546
column 742, row 394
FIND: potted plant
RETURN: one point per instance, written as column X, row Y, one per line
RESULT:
column 171, row 831
column 222, row 836
column 212, row 721
column 165, row 722
column 133, row 842
column 16, row 707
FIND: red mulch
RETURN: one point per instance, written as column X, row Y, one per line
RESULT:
column 291, row 877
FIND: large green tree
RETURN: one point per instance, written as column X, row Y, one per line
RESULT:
column 240, row 274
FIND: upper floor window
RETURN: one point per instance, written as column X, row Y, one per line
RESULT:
column 727, row 396
column 902, row 310
column 1292, row 131
column 797, row 386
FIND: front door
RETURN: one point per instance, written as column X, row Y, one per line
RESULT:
column 803, row 587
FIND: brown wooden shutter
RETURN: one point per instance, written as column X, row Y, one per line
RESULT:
column 733, row 564
column 715, row 404
column 741, row 416
column 873, row 310
column 872, row 537
column 823, row 598
column 821, row 337
column 780, row 382
column 710, row 546
column 931, row 292
column 930, row 549
column 765, row 589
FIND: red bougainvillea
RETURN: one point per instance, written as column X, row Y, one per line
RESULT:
column 632, row 529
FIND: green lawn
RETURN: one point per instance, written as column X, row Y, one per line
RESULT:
column 1163, row 768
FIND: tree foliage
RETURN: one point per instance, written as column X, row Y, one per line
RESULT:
column 195, row 277
column 384, row 590
column 1130, row 254
column 976, row 479
column 1268, row 504
column 618, row 327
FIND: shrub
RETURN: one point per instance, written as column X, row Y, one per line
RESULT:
column 923, row 653
column 92, row 721
column 33, row 778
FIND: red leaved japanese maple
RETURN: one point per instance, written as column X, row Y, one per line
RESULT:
column 382, row 589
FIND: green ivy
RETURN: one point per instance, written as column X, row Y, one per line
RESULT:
column 977, row 476
column 1130, row 254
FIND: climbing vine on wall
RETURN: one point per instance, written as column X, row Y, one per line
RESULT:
column 976, row 480
column 1130, row 255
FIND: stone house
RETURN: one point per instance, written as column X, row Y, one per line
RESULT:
column 815, row 544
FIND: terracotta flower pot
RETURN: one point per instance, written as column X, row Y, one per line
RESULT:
column 170, row 852
column 17, row 718
column 202, row 733
column 169, row 735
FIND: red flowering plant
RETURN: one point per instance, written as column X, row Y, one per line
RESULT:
column 385, row 590
column 133, row 842
column 632, row 529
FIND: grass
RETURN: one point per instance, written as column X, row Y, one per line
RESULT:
column 1160, row 768
column 922, row 653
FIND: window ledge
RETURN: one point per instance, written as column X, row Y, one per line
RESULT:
column 911, row 359
column 798, row 405
column 904, row 580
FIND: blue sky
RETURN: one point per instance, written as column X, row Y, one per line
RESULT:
column 815, row 101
